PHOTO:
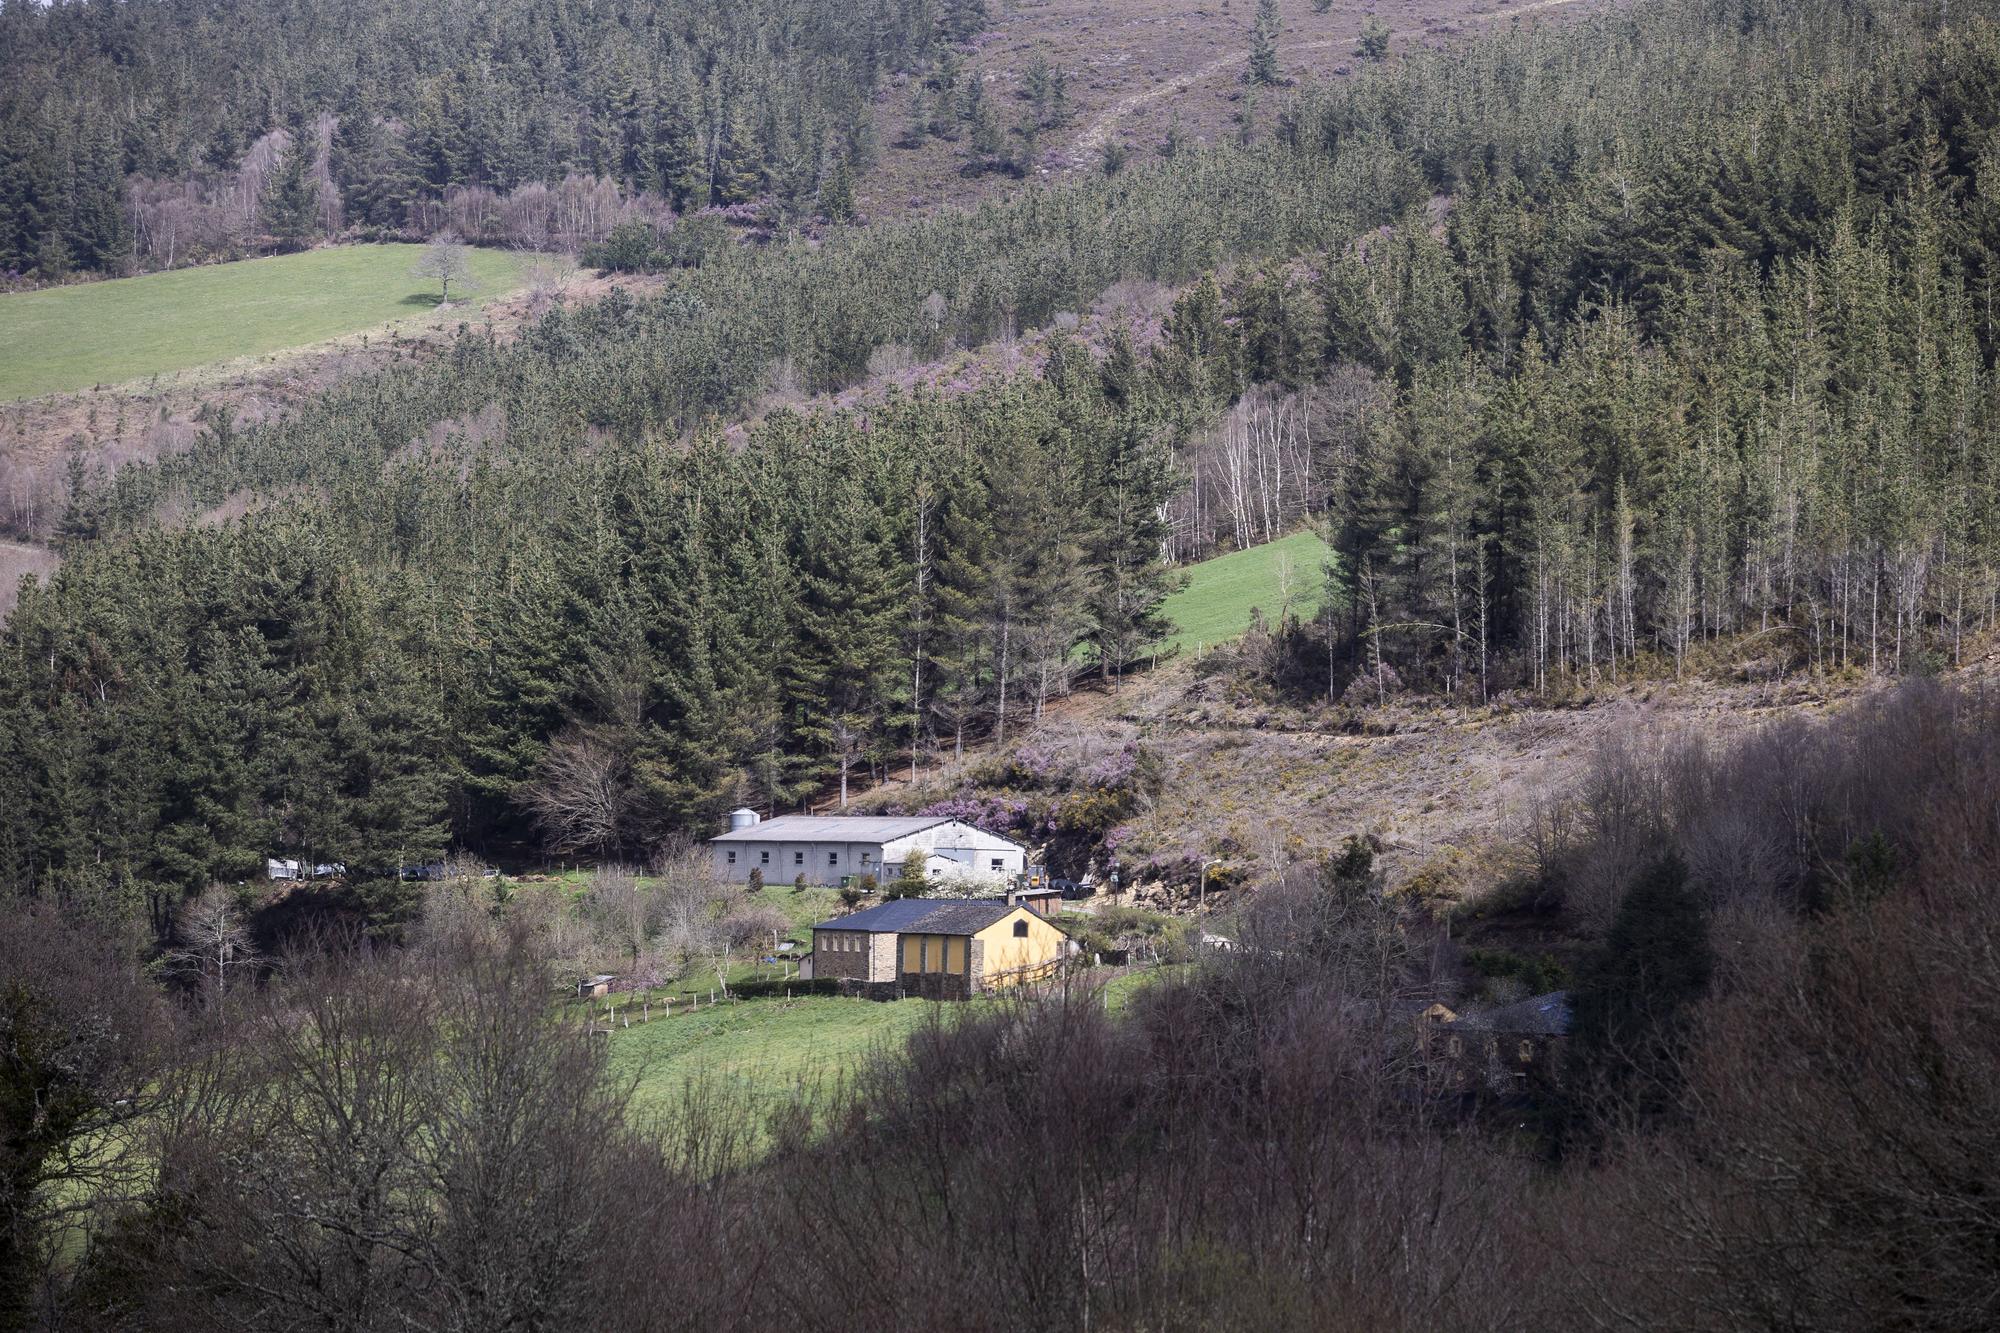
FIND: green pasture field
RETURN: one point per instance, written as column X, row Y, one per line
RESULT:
column 763, row 1052
column 63, row 339
column 1215, row 606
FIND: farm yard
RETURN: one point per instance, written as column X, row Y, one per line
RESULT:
column 63, row 339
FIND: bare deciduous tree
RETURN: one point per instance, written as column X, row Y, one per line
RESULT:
column 394, row 1143
column 448, row 260
column 212, row 943
column 80, row 1036
column 581, row 795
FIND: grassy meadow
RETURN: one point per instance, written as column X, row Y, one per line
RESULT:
column 1215, row 606
column 68, row 338
column 770, row 1051
column 764, row 1051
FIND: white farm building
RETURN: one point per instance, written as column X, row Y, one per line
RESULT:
column 824, row 848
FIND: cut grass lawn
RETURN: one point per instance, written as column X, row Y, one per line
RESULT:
column 766, row 1052
column 1215, row 606
column 769, row 1052
column 69, row 338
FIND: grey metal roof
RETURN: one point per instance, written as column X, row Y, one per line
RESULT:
column 1543, row 1016
column 925, row 916
column 833, row 828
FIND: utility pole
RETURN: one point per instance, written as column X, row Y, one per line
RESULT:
column 1202, row 901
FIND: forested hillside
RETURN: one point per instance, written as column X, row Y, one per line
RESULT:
column 1671, row 325
column 240, row 120
column 1553, row 912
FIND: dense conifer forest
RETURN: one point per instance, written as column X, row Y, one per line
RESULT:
column 169, row 130
column 1674, row 325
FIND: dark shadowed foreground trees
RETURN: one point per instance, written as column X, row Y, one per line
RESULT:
column 387, row 1138
column 80, row 1033
column 378, row 1136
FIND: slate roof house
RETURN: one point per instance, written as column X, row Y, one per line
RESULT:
column 938, row 948
column 826, row 848
column 1505, row 1047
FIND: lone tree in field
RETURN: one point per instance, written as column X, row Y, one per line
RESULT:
column 446, row 260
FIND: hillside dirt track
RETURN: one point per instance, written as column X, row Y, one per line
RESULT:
column 1170, row 59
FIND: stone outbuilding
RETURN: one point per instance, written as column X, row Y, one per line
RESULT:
column 938, row 948
column 1506, row 1048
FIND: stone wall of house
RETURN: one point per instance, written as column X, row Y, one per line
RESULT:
column 881, row 956
column 976, row 970
column 875, row 960
column 935, row 986
column 839, row 964
column 872, row 990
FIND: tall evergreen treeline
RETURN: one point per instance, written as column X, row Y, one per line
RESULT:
column 385, row 104
column 653, row 632
column 1671, row 368
column 1679, row 325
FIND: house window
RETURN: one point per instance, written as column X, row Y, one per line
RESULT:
column 798, row 858
column 999, row 863
column 1527, row 1051
column 732, row 858
column 1020, row 930
column 764, row 858
column 833, row 858
column 866, row 857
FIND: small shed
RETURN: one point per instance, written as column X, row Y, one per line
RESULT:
column 597, row 985
column 1041, row 899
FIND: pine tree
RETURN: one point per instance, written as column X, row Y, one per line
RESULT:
column 1264, row 44
column 738, row 177
column 1631, row 1004
column 1199, row 353
column 289, row 211
column 377, row 178
column 1132, row 479
column 962, row 20
column 1279, row 325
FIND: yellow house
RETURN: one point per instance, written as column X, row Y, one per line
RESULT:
column 943, row 948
